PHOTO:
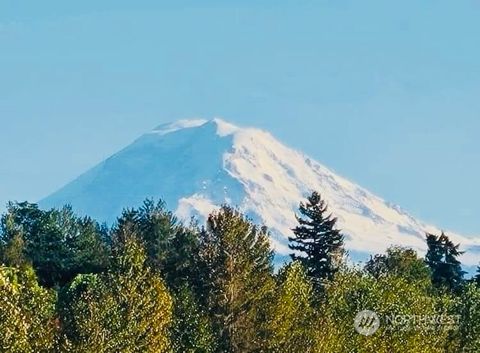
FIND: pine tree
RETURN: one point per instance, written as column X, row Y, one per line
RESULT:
column 237, row 262
column 442, row 258
column 316, row 242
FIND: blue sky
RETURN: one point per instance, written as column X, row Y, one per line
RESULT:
column 386, row 93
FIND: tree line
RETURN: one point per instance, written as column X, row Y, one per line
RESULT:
column 153, row 284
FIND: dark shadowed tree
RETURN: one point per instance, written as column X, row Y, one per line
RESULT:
column 318, row 245
column 442, row 258
column 57, row 243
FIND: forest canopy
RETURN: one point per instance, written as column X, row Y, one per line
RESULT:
column 150, row 283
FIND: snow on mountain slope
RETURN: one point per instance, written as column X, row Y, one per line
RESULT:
column 197, row 165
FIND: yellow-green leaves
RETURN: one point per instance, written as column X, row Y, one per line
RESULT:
column 290, row 317
column 27, row 321
column 125, row 310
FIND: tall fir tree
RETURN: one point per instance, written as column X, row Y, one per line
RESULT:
column 442, row 258
column 318, row 245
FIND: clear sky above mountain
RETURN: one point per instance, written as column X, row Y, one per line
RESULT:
column 385, row 93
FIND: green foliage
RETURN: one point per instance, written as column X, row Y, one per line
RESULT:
column 56, row 243
column 27, row 313
column 467, row 307
column 237, row 259
column 155, row 226
column 152, row 284
column 290, row 325
column 400, row 306
column 128, row 309
column 192, row 330
column 88, row 245
column 442, row 258
column 401, row 262
column 316, row 242
column 172, row 249
column 12, row 252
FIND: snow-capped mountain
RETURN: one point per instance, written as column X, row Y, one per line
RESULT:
column 197, row 165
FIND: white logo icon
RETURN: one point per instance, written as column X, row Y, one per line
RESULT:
column 366, row 322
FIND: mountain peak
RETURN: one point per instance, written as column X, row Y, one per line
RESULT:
column 222, row 127
column 168, row 128
column 197, row 165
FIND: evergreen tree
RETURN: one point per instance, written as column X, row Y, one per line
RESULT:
column 157, row 227
column 41, row 241
column 316, row 242
column 89, row 246
column 222, row 295
column 442, row 258
column 171, row 248
column 56, row 243
column 237, row 259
